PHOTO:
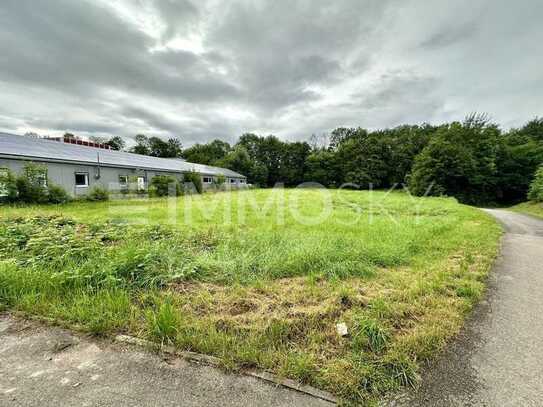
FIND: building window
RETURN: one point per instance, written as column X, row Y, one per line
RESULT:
column 232, row 181
column 42, row 178
column 82, row 179
column 3, row 184
column 208, row 180
column 123, row 181
column 141, row 184
column 242, row 181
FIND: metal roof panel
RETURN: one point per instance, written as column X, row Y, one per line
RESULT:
column 36, row 148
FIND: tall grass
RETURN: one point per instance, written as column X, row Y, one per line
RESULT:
column 256, row 287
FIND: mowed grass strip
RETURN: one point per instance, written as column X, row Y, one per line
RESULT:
column 261, row 278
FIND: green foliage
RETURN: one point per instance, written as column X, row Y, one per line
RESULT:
column 32, row 184
column 195, row 180
column 237, row 160
column 116, row 143
column 57, row 194
column 473, row 160
column 164, row 185
column 460, row 160
column 98, row 193
column 156, row 147
column 323, row 167
column 533, row 129
column 163, row 323
column 518, row 160
column 365, row 159
column 536, row 187
column 101, row 255
column 208, row 154
column 8, row 186
column 221, row 179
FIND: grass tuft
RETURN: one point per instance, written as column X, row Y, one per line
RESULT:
column 164, row 323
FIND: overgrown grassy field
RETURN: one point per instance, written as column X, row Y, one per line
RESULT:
column 260, row 278
column 530, row 208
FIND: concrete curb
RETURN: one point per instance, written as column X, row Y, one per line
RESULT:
column 216, row 362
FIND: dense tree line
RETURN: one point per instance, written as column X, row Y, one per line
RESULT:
column 473, row 160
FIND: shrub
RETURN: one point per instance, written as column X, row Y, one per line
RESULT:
column 195, row 179
column 57, row 194
column 8, row 186
column 161, row 185
column 32, row 184
column 536, row 187
column 98, row 193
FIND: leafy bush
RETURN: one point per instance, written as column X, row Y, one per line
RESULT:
column 57, row 194
column 536, row 187
column 98, row 193
column 161, row 185
column 195, row 179
column 102, row 255
column 8, row 186
column 32, row 184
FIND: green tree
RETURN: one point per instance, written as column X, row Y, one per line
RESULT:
column 461, row 161
column 116, row 143
column 536, row 187
column 208, row 154
column 518, row 160
column 195, row 180
column 164, row 185
column 533, row 129
column 237, row 160
column 32, row 184
column 293, row 162
column 364, row 159
column 142, row 146
column 156, row 147
column 323, row 167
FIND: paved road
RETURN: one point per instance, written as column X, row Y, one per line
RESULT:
column 42, row 366
column 498, row 358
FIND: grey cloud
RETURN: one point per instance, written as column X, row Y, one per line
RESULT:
column 281, row 48
column 453, row 33
column 291, row 68
column 180, row 16
column 399, row 89
column 195, row 130
column 84, row 126
column 86, row 48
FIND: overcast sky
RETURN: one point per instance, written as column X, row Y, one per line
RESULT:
column 200, row 70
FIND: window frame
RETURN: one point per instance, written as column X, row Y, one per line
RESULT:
column 4, row 172
column 143, row 186
column 87, row 180
column 210, row 180
column 233, row 181
column 43, row 178
column 125, row 184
